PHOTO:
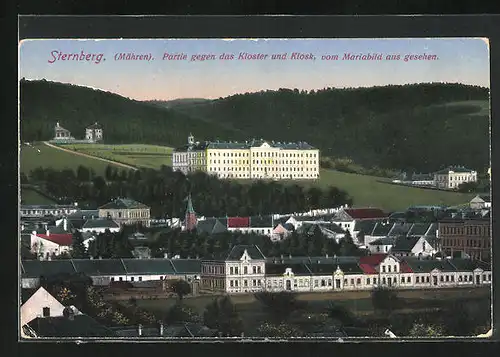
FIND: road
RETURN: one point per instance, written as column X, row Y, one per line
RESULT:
column 91, row 156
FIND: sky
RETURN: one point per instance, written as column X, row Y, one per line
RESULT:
column 461, row 60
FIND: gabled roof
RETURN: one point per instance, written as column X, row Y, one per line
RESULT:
column 383, row 241
column 148, row 266
column 95, row 267
column 100, row 223
column 60, row 239
column 261, row 221
column 365, row 213
column 374, row 259
column 368, row 269
column 187, row 266
column 382, row 229
column 404, row 244
column 252, row 250
column 123, row 203
column 365, row 226
column 38, row 268
column 400, row 229
column 485, row 198
column 81, row 326
column 419, row 229
column 238, row 222
column 428, row 265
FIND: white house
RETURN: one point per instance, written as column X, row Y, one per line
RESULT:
column 381, row 245
column 347, row 218
column 415, row 246
column 263, row 225
column 480, row 202
column 49, row 244
column 241, row 271
column 93, row 133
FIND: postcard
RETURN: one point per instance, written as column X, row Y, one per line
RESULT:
column 254, row 188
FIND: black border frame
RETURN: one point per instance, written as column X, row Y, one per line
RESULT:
column 32, row 26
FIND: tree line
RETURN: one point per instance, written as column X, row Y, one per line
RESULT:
column 165, row 191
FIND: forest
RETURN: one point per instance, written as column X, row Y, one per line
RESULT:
column 415, row 128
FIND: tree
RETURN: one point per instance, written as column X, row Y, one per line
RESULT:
column 78, row 249
column 181, row 288
column 83, row 174
column 280, row 305
column 384, row 299
column 221, row 315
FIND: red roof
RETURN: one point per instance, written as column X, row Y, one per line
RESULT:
column 366, row 213
column 368, row 269
column 60, row 239
column 238, row 222
column 405, row 268
column 373, row 260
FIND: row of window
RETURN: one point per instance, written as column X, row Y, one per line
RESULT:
column 255, row 283
column 473, row 243
column 252, row 230
column 262, row 154
column 235, row 270
column 390, row 269
column 262, row 162
column 212, row 168
column 46, row 212
column 131, row 214
column 277, row 176
column 483, row 230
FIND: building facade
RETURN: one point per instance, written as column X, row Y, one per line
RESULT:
column 93, row 133
column 469, row 236
column 61, row 134
column 47, row 210
column 126, row 211
column 246, row 270
column 255, row 159
column 453, row 177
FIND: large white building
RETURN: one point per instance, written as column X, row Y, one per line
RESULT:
column 452, row 177
column 249, row 160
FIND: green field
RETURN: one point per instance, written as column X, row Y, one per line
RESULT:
column 370, row 191
column 31, row 197
column 41, row 155
column 138, row 155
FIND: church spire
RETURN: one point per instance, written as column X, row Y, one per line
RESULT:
column 190, row 220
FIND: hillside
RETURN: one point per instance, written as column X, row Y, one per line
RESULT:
column 123, row 120
column 420, row 127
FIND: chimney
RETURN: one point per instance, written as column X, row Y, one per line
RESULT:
column 65, row 224
column 140, row 330
column 100, row 258
column 289, row 256
column 165, row 255
column 326, row 255
column 47, row 232
column 161, row 328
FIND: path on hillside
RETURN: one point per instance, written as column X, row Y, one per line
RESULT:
column 91, row 156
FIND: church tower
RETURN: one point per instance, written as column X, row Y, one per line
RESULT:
column 190, row 220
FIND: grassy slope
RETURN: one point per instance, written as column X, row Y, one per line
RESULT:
column 138, row 155
column 56, row 159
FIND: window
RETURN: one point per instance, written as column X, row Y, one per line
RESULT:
column 352, row 281
column 254, row 269
column 254, row 283
column 427, row 279
column 315, row 283
column 236, row 283
column 374, row 281
column 418, row 280
column 112, row 279
column 383, row 268
column 367, row 281
column 245, row 270
column 258, row 270
column 345, row 281
column 402, row 279
column 453, row 278
column 395, row 268
column 323, row 283
column 236, row 270
column 140, row 278
column 132, row 279
column 442, row 278
column 383, row 281
column 389, row 268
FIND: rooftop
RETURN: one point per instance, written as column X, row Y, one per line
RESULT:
column 123, row 203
